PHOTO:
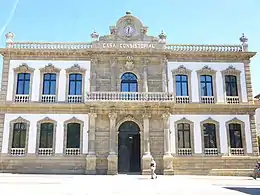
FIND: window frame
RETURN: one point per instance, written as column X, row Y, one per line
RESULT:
column 184, row 120
column 73, row 120
column 11, row 133
column 242, row 124
column 46, row 120
column 217, row 131
column 23, row 68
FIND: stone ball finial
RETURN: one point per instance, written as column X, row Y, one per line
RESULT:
column 243, row 39
column 94, row 35
column 9, row 37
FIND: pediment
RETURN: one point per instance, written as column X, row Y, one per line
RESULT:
column 206, row 70
column 50, row 68
column 24, row 68
column 181, row 70
column 75, row 69
column 231, row 70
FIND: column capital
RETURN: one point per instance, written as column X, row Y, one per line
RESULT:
column 92, row 112
column 113, row 61
column 145, row 61
column 164, row 61
column 166, row 115
column 95, row 60
column 112, row 115
column 146, row 115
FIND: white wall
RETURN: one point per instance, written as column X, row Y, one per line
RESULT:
column 38, row 64
column 194, row 66
column 222, row 119
column 34, row 118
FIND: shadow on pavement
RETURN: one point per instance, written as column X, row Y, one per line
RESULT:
column 251, row 191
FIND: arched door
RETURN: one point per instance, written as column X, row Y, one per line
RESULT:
column 129, row 152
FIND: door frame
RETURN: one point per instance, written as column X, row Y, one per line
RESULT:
column 130, row 118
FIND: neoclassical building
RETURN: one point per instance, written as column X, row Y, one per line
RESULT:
column 109, row 106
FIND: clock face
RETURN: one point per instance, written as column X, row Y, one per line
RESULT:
column 129, row 30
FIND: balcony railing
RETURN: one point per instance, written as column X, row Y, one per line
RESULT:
column 21, row 98
column 48, row 98
column 207, row 99
column 129, row 96
column 232, row 99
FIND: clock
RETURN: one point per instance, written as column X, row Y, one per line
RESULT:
column 129, row 30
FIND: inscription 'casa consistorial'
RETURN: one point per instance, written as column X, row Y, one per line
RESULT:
column 129, row 45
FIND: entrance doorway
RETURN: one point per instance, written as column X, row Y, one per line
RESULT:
column 129, row 151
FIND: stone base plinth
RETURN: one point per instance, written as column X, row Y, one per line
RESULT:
column 91, row 164
column 168, row 165
column 146, row 161
column 112, row 164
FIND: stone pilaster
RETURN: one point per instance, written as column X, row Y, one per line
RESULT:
column 5, row 75
column 113, row 75
column 91, row 157
column 145, row 73
column 93, row 75
column 253, row 134
column 164, row 75
column 147, row 157
column 249, row 89
column 112, row 157
column 167, row 157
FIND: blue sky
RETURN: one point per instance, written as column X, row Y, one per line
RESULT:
column 184, row 21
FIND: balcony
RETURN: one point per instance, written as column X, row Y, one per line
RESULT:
column 129, row 96
column 232, row 100
column 22, row 98
column 48, row 98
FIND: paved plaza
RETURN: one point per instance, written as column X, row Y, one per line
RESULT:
column 14, row 184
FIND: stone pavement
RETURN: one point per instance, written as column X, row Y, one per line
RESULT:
column 14, row 184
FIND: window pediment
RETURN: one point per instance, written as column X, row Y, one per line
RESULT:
column 210, row 120
column 184, row 120
column 181, row 70
column 231, row 70
column 50, row 68
column 46, row 120
column 74, row 120
column 24, row 68
column 235, row 120
column 20, row 120
column 75, row 69
column 206, row 70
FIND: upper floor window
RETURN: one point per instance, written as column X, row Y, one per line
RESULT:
column 182, row 85
column 75, row 84
column 206, row 85
column 23, row 83
column 129, row 82
column 231, row 85
column 49, row 84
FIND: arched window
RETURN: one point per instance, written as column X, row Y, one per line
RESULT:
column 206, row 85
column 231, row 85
column 129, row 82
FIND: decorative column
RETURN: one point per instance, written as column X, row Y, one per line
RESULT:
column 145, row 80
column 113, row 74
column 147, row 157
column 91, row 157
column 93, row 75
column 253, row 134
column 112, row 157
column 249, row 89
column 164, row 75
column 167, row 157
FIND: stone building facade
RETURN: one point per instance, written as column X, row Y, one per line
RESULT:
column 109, row 106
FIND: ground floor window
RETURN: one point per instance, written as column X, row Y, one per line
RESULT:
column 73, row 135
column 19, row 135
column 235, row 135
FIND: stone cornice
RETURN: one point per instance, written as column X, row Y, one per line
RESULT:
column 89, row 53
column 126, row 107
